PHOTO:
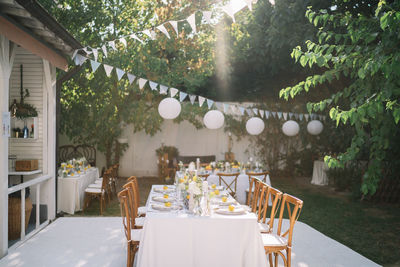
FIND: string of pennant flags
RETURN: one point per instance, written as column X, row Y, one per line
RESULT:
column 231, row 8
column 227, row 108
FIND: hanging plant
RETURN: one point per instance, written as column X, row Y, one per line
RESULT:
column 23, row 110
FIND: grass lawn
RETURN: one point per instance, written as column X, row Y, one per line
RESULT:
column 372, row 230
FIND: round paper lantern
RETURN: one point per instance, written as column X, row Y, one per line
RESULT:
column 315, row 127
column 255, row 126
column 169, row 108
column 290, row 128
column 214, row 119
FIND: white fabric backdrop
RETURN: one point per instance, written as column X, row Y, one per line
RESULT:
column 319, row 173
column 71, row 190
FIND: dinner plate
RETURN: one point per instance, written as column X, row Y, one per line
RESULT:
column 219, row 187
column 162, row 199
column 161, row 190
column 220, row 202
column 164, row 208
column 225, row 211
column 221, row 195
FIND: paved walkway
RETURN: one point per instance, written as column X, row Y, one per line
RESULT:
column 100, row 242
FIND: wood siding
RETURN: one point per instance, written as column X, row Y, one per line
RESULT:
column 33, row 80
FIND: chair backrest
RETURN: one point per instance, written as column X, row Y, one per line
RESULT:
column 255, row 189
column 132, row 201
column 293, row 207
column 106, row 179
column 204, row 176
column 260, row 175
column 269, row 196
column 229, row 180
column 125, row 212
column 135, row 182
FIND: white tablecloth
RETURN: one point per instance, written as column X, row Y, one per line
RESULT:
column 242, row 184
column 71, row 190
column 178, row 239
column 319, row 173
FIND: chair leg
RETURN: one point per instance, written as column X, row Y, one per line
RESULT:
column 129, row 262
column 270, row 260
column 101, row 205
column 289, row 257
column 276, row 259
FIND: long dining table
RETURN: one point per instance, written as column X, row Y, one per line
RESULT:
column 174, row 237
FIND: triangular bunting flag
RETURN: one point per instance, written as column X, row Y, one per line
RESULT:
column 174, row 25
column 229, row 11
column 131, row 78
column 285, row 115
column 306, row 116
column 218, row 105
column 192, row 98
column 153, row 85
column 290, row 115
column 108, row 69
column 192, row 21
column 301, row 116
column 249, row 4
column 209, row 103
column 162, row 29
column 79, row 59
column 266, row 114
column 201, row 100
column 273, row 114
column 248, row 112
column 173, row 91
column 279, row 115
column 207, row 16
column 151, row 34
column 296, row 115
column 241, row 109
column 142, row 82
column 182, row 96
column 261, row 113
column 112, row 44
column 95, row 53
column 94, row 65
column 123, row 41
column 104, row 48
column 134, row 36
column 255, row 111
column 74, row 54
column 163, row 89
column 120, row 73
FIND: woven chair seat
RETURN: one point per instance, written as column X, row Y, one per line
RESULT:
column 136, row 234
column 93, row 190
column 264, row 227
column 94, row 186
column 142, row 210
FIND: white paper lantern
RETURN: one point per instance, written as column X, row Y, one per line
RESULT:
column 255, row 126
column 169, row 108
column 290, row 128
column 315, row 127
column 214, row 119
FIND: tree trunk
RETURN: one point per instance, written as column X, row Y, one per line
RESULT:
column 117, row 152
column 108, row 154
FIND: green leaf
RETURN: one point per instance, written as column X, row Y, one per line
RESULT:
column 384, row 20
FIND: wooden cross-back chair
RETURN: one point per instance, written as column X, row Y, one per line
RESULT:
column 268, row 205
column 136, row 223
column 260, row 175
column 141, row 210
column 282, row 240
column 255, row 189
column 99, row 193
column 229, row 180
column 132, row 235
column 204, row 176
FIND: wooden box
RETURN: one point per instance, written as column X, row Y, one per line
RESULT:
column 26, row 165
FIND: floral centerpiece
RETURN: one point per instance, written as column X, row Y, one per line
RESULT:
column 72, row 167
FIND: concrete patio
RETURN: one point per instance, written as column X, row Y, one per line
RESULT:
column 99, row 241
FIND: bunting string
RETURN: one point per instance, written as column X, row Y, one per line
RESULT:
column 227, row 108
column 230, row 8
